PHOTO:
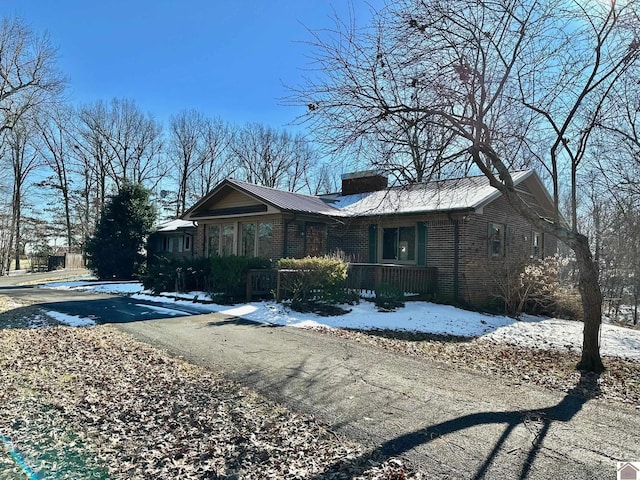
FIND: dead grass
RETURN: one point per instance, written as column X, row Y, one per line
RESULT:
column 92, row 403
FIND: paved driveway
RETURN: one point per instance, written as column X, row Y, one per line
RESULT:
column 452, row 424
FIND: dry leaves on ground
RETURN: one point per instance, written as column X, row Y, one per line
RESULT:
column 92, row 403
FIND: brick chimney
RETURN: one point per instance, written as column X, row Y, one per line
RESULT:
column 363, row 182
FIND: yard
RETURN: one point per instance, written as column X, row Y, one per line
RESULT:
column 93, row 403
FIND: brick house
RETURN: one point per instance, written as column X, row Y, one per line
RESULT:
column 461, row 227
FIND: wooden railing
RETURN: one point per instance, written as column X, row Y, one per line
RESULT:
column 361, row 276
column 410, row 279
column 261, row 283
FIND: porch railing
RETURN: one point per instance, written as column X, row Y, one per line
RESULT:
column 261, row 283
column 361, row 276
column 410, row 279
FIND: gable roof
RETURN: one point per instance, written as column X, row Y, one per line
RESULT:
column 464, row 194
column 174, row 225
column 280, row 199
column 461, row 194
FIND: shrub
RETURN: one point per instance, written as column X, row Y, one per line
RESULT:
column 228, row 276
column 531, row 286
column 176, row 275
column 224, row 277
column 313, row 281
column 388, row 297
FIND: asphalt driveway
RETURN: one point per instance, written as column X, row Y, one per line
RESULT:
column 451, row 423
column 448, row 422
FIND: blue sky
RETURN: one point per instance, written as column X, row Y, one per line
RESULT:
column 226, row 58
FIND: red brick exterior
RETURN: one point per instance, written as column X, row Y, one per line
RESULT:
column 475, row 263
column 464, row 268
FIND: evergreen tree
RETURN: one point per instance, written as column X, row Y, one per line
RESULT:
column 115, row 249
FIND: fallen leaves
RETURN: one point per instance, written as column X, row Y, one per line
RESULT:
column 93, row 403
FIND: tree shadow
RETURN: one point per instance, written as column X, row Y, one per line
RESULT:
column 586, row 389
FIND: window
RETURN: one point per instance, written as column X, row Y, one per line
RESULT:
column 537, row 245
column 265, row 240
column 213, row 241
column 255, row 238
column 184, row 243
column 248, row 240
column 496, row 239
column 167, row 244
column 228, row 239
column 399, row 244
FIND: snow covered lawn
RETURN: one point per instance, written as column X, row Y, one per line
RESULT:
column 535, row 332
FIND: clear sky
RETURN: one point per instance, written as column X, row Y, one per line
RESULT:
column 226, row 58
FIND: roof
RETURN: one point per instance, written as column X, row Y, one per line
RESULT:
column 461, row 194
column 454, row 195
column 280, row 199
column 174, row 225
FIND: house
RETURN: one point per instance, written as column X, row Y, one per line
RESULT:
column 460, row 227
column 172, row 239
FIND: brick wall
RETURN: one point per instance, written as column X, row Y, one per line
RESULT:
column 477, row 266
column 352, row 239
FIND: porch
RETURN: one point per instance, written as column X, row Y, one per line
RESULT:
column 360, row 276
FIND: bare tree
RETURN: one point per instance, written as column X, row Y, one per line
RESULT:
column 92, row 158
column 28, row 76
column 213, row 159
column 124, row 143
column 185, row 132
column 512, row 80
column 56, row 151
column 271, row 158
column 24, row 161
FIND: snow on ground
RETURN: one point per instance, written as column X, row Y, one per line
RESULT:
column 537, row 332
column 70, row 320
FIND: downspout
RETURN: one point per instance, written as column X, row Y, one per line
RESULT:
column 456, row 261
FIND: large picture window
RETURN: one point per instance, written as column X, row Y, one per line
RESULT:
column 213, row 241
column 228, row 239
column 246, row 238
column 399, row 244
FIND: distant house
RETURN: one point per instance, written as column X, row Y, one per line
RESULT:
column 458, row 227
column 172, row 239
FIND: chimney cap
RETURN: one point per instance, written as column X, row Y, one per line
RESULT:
column 362, row 174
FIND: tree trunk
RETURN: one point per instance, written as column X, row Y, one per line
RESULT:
column 591, row 304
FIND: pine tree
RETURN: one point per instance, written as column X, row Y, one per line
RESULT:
column 115, row 249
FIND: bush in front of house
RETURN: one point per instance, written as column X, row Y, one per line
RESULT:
column 535, row 286
column 224, row 278
column 388, row 297
column 228, row 276
column 312, row 283
column 176, row 275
